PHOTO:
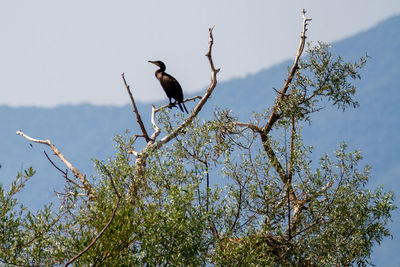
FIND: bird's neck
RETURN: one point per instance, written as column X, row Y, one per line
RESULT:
column 159, row 73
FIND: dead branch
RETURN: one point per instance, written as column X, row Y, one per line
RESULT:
column 153, row 144
column 157, row 129
column 274, row 114
column 135, row 109
column 87, row 186
column 202, row 101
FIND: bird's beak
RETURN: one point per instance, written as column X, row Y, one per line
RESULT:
column 152, row 62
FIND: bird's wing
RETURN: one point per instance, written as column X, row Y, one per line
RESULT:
column 172, row 87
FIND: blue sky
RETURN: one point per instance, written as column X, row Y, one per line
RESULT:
column 71, row 52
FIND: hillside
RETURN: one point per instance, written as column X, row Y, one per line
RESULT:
column 85, row 131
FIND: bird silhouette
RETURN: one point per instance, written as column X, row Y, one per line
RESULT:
column 170, row 85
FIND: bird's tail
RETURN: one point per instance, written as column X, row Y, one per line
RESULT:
column 180, row 106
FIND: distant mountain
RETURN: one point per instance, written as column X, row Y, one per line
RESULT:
column 83, row 132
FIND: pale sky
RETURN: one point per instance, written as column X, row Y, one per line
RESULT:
column 70, row 52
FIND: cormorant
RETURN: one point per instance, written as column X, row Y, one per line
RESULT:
column 170, row 85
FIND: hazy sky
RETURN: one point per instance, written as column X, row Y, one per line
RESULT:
column 68, row 52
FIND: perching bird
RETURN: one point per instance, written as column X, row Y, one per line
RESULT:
column 170, row 85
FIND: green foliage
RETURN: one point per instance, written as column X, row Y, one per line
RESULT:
column 26, row 238
column 216, row 194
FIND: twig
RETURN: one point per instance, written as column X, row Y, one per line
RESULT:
column 75, row 171
column 135, row 109
column 174, row 104
column 239, row 207
column 111, row 180
column 65, row 173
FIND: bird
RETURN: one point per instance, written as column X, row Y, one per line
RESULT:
column 170, row 85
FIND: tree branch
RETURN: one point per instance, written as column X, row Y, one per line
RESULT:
column 250, row 126
column 153, row 145
column 274, row 114
column 302, row 203
column 202, row 101
column 135, row 109
column 75, row 171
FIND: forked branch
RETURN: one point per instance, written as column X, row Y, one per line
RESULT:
column 153, row 144
column 274, row 116
column 202, row 101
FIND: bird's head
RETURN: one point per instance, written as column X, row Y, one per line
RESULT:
column 158, row 63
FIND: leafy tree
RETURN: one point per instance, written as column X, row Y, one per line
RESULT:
column 218, row 191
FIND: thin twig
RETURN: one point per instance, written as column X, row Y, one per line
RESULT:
column 54, row 165
column 174, row 104
column 65, row 173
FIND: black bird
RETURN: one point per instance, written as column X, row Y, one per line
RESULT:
column 170, row 85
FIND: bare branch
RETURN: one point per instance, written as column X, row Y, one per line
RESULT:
column 152, row 144
column 75, row 171
column 274, row 114
column 157, row 129
column 202, row 101
column 135, row 109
